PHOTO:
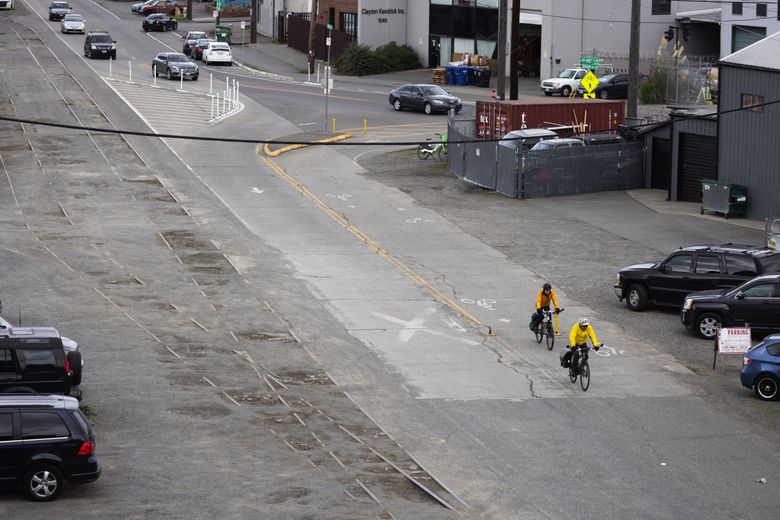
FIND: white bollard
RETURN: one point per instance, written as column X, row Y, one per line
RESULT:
column 212, row 108
column 318, row 73
column 130, row 68
column 109, row 68
column 211, row 80
column 181, row 80
column 217, row 105
column 224, row 104
column 238, row 84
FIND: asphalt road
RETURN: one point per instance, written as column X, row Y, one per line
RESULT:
column 362, row 298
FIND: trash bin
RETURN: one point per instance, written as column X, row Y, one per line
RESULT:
column 461, row 76
column 483, row 78
column 222, row 33
column 449, row 70
column 722, row 197
column 473, row 76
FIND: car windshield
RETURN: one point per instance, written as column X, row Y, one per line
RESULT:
column 59, row 5
column 203, row 42
column 72, row 18
column 568, row 73
column 770, row 263
column 220, row 46
column 541, row 145
column 102, row 38
column 434, row 91
column 196, row 35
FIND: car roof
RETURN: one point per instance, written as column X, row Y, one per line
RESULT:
column 97, row 33
column 29, row 332
column 729, row 247
column 61, row 402
column 530, row 132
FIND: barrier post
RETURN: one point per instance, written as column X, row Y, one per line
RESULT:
column 130, row 68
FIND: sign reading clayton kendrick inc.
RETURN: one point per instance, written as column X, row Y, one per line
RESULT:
column 381, row 22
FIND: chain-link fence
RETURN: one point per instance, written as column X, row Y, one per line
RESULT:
column 544, row 173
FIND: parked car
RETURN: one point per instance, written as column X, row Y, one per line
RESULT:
column 526, row 138
column 58, row 9
column 217, row 52
column 428, row 98
column 761, row 368
column 34, row 359
column 596, row 139
column 197, row 49
column 72, row 23
column 99, row 44
column 691, row 269
column 68, row 345
column 45, row 441
column 564, row 83
column 611, row 86
column 136, row 8
column 159, row 6
column 174, row 65
column 190, row 39
column 755, row 304
column 6, row 4
column 159, row 22
column 557, row 144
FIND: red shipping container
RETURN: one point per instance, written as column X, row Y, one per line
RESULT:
column 566, row 117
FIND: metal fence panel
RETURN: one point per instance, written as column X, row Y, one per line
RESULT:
column 507, row 171
column 481, row 164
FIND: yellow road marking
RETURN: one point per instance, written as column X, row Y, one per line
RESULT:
column 303, row 93
column 343, row 222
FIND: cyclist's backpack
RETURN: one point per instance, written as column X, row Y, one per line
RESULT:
column 566, row 358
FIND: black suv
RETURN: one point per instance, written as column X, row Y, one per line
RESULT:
column 99, row 44
column 34, row 360
column 754, row 304
column 691, row 269
column 45, row 441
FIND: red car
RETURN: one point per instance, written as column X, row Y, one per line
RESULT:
column 197, row 50
column 159, row 6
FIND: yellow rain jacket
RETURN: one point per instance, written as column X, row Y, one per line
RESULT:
column 543, row 300
column 579, row 336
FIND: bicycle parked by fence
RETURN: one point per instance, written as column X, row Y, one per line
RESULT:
column 438, row 150
column 544, row 329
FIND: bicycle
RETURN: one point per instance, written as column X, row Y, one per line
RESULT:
column 428, row 149
column 582, row 369
column 544, row 329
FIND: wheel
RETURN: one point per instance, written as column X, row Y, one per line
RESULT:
column 175, row 25
column 766, row 387
column 74, row 360
column 146, row 29
column 428, row 109
column 195, row 78
column 572, row 374
column 707, row 325
column 397, row 105
column 538, row 333
column 550, row 336
column 439, row 155
column 585, row 376
column 548, row 94
column 168, row 74
column 565, row 91
column 422, row 152
column 604, row 94
column 636, row 299
column 230, row 64
column 42, row 483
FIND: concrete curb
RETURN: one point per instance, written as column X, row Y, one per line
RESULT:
column 275, row 153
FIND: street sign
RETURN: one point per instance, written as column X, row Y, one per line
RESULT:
column 327, row 41
column 734, row 340
column 243, row 24
column 589, row 82
column 214, row 13
column 590, row 62
column 330, row 26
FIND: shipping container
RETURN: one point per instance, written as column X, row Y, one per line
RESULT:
column 566, row 117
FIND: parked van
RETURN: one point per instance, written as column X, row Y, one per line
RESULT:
column 526, row 138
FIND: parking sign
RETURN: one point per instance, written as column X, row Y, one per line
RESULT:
column 243, row 24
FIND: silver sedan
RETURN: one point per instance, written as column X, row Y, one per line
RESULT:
column 72, row 23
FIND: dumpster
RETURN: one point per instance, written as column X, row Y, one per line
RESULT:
column 722, row 197
column 461, row 76
column 222, row 33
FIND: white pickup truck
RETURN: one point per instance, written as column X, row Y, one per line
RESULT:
column 564, row 84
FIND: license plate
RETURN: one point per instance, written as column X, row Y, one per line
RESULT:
column 104, row 51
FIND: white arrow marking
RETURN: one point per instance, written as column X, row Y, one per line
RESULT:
column 257, row 190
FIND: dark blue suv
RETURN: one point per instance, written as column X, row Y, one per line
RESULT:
column 761, row 369
column 45, row 441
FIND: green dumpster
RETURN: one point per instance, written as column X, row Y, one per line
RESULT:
column 222, row 33
column 722, row 197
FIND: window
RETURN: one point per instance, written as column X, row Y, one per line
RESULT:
column 761, row 290
column 736, row 8
column 37, row 360
column 43, row 425
column 6, row 427
column 740, row 265
column 662, row 7
column 773, row 350
column 754, row 102
column 6, row 361
column 707, row 264
column 680, row 263
column 770, row 263
column 760, row 9
column 348, row 24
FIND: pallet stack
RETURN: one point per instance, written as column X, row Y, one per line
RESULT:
column 439, row 77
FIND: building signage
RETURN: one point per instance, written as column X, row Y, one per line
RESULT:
column 381, row 22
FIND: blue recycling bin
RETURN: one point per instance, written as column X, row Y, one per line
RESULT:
column 460, row 76
column 449, row 70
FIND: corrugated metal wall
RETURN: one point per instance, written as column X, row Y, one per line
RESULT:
column 748, row 151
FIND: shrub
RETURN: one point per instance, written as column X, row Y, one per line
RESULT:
column 399, row 57
column 651, row 92
column 361, row 60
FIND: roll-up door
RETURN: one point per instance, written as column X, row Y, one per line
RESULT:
column 698, row 160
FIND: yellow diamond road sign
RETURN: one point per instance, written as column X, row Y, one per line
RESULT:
column 589, row 81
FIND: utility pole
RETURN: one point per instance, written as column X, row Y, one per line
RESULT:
column 502, row 12
column 189, row 9
column 514, row 51
column 315, row 8
column 633, row 58
column 252, row 23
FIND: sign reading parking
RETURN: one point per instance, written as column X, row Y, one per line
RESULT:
column 734, row 340
column 589, row 82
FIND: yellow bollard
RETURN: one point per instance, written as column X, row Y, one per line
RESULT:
column 334, row 124
column 557, row 332
column 365, row 126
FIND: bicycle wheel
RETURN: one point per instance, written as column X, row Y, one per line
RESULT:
column 439, row 156
column 572, row 374
column 422, row 152
column 538, row 333
column 550, row 337
column 585, row 376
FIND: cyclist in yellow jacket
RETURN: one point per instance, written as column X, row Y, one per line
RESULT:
column 578, row 338
column 543, row 299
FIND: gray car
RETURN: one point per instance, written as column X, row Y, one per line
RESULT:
column 428, row 98
column 58, row 9
column 174, row 65
column 72, row 23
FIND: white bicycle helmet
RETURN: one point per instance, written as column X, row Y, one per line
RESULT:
column 584, row 322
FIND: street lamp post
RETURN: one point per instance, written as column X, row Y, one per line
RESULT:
column 327, row 76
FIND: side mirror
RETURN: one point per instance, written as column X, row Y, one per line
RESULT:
column 666, row 269
column 740, row 295
column 419, row 94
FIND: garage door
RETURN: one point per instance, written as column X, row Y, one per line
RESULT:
column 661, row 163
column 698, row 160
